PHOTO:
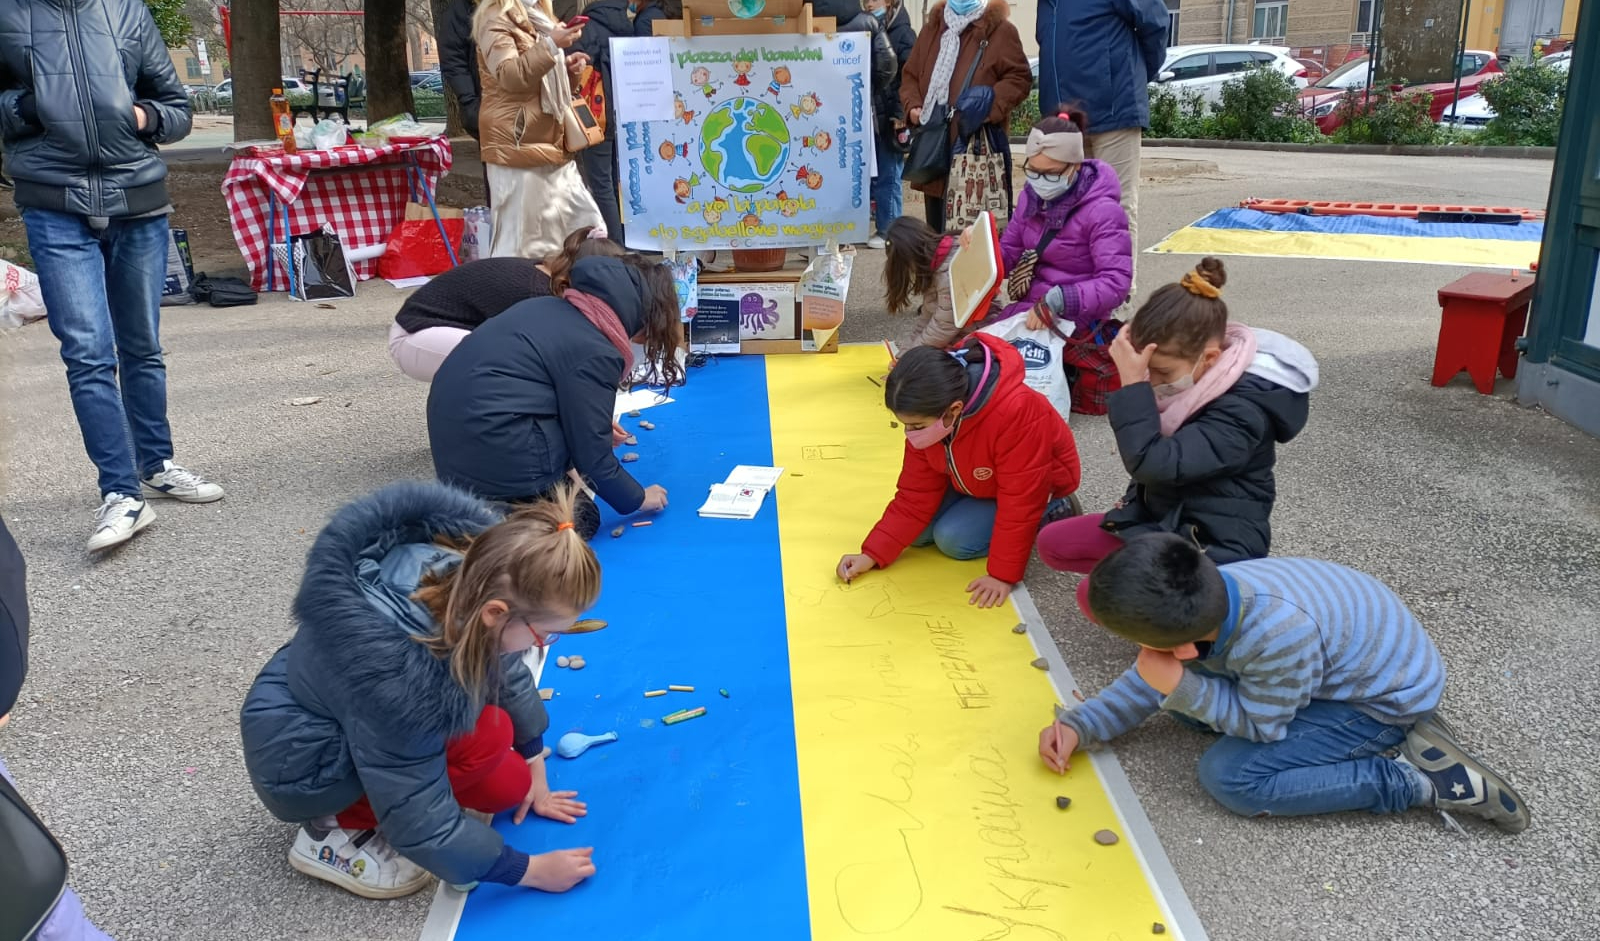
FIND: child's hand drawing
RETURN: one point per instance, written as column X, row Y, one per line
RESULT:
column 1057, row 742
column 988, row 592
column 852, row 565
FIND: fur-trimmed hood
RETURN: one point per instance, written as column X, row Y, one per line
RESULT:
column 372, row 650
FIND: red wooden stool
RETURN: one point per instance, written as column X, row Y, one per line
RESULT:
column 1481, row 317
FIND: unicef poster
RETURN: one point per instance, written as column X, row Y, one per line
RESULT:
column 767, row 144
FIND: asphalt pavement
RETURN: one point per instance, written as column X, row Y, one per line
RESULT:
column 1483, row 515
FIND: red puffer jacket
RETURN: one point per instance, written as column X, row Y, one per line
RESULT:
column 1010, row 446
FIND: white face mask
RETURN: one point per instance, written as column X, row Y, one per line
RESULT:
column 1046, row 190
column 1169, row 389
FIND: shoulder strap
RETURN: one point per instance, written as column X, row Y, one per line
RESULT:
column 971, row 71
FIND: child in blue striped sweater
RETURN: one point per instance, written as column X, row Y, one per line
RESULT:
column 1319, row 678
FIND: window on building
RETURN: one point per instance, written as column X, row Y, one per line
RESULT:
column 191, row 67
column 1172, row 23
column 1364, row 15
column 1271, row 20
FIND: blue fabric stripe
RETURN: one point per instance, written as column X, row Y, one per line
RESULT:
column 1257, row 221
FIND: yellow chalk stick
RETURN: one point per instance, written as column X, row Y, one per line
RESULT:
column 684, row 716
column 652, row 693
column 681, row 689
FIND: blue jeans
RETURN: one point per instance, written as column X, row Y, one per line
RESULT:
column 1331, row 760
column 886, row 185
column 103, row 291
column 962, row 527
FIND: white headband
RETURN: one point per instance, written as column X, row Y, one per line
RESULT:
column 1064, row 146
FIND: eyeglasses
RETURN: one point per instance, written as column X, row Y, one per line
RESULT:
column 1047, row 177
column 541, row 640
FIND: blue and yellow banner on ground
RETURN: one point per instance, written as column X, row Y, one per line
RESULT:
column 871, row 772
column 1357, row 238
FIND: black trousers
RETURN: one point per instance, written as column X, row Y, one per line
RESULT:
column 598, row 164
column 933, row 211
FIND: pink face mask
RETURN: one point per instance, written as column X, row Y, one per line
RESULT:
column 928, row 435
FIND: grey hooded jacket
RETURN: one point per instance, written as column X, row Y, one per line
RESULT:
column 71, row 74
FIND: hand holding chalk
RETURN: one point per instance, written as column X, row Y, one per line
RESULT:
column 655, row 499
column 852, row 565
column 1057, row 742
column 560, row 870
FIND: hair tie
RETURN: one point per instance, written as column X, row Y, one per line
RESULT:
column 1195, row 284
column 565, row 524
column 596, row 232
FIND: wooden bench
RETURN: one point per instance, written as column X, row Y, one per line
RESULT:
column 1481, row 317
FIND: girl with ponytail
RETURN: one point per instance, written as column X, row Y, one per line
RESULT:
column 401, row 715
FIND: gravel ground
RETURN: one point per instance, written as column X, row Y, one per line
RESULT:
column 1483, row 515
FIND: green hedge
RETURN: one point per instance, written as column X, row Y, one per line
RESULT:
column 1260, row 105
column 1527, row 103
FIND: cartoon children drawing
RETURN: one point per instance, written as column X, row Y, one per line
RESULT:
column 679, row 111
column 780, row 80
column 751, row 220
column 743, row 67
column 788, row 205
column 809, row 103
column 714, row 210
column 683, row 188
column 668, row 151
column 701, row 79
column 811, row 178
column 819, row 141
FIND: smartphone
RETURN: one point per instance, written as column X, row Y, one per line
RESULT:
column 577, row 21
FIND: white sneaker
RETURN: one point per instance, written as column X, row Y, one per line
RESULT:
column 118, row 519
column 876, row 241
column 359, row 861
column 177, row 483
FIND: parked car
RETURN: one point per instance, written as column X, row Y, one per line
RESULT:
column 1320, row 101
column 1206, row 69
column 326, row 94
column 1473, row 112
column 1314, row 69
column 428, row 81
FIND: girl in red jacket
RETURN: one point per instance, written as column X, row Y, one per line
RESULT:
column 987, row 461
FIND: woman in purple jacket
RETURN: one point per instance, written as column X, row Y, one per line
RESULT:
column 1069, row 232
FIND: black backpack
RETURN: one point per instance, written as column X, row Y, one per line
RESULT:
column 222, row 292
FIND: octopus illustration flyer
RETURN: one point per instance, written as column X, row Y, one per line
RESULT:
column 769, row 145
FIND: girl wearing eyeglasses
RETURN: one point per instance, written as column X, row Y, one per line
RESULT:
column 401, row 715
column 1069, row 232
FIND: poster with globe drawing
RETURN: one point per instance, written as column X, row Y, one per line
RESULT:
column 769, row 145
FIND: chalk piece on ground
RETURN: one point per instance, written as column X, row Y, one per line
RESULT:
column 629, row 458
column 631, row 439
column 547, row 694
column 875, row 382
column 652, row 693
column 1063, row 802
column 617, row 533
column 648, row 425
column 305, row 400
column 681, row 689
column 563, row 661
column 1158, row 928
column 576, row 663
column 1105, row 837
column 586, row 626
column 724, row 693
column 1020, row 629
column 1042, row 663
column 791, row 475
column 684, row 716
column 634, row 414
column 644, row 523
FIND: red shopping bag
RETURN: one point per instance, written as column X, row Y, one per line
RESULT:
column 415, row 249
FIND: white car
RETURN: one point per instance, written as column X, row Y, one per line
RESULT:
column 1206, row 69
column 1473, row 112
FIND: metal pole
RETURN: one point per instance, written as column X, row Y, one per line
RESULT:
column 1461, row 53
column 1372, row 48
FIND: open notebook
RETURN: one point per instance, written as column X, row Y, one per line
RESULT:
column 975, row 271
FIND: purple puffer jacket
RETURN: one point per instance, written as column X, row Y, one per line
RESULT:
column 1091, row 257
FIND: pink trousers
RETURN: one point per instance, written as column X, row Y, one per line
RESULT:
column 419, row 354
column 1076, row 545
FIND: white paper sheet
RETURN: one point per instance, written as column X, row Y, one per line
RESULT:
column 406, row 284
column 641, row 79
column 637, row 399
column 754, row 476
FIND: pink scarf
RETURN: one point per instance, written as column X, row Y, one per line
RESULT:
column 1238, row 351
column 607, row 322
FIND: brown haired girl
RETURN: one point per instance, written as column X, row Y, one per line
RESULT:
column 435, row 318
column 402, row 701
column 1202, row 408
column 528, row 397
column 917, row 261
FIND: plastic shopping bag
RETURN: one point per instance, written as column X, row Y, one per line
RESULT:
column 1042, row 354
column 20, row 299
column 415, row 249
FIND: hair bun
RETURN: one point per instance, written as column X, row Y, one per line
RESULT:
column 1211, row 270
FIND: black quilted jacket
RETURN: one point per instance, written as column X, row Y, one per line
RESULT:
column 71, row 74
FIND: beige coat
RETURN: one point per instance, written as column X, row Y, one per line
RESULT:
column 513, row 61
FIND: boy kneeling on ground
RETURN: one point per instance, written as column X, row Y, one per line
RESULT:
column 1319, row 678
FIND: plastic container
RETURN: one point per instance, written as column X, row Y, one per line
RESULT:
column 283, row 121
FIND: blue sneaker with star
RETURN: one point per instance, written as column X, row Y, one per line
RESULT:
column 1461, row 783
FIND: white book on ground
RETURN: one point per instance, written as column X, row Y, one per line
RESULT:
column 730, row 501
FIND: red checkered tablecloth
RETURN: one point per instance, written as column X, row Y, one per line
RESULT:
column 362, row 202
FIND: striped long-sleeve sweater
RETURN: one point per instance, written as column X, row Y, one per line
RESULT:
column 1297, row 630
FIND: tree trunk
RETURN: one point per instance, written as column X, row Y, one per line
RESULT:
column 255, row 61
column 452, row 108
column 388, row 78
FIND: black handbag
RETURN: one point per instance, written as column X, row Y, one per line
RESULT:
column 928, row 155
column 33, row 868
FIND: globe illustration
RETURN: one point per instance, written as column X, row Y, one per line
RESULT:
column 744, row 9
column 744, row 145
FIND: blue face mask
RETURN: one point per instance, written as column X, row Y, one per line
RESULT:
column 880, row 11
column 964, row 7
